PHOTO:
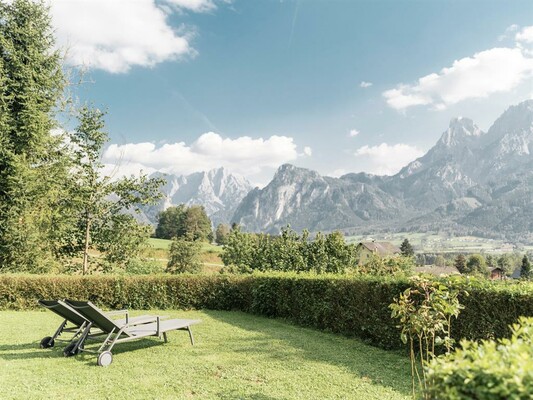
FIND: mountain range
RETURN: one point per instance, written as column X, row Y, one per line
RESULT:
column 218, row 190
column 470, row 182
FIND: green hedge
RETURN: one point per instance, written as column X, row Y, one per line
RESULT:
column 348, row 305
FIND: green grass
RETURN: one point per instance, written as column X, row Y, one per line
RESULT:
column 236, row 356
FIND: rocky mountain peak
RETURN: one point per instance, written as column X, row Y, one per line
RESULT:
column 461, row 130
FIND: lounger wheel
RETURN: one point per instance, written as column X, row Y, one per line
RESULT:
column 105, row 358
column 71, row 350
column 47, row 342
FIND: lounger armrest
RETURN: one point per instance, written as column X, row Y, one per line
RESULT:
column 116, row 312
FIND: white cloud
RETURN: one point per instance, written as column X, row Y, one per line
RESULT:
column 525, row 35
column 508, row 32
column 385, row 159
column 364, row 84
column 117, row 35
column 243, row 155
column 353, row 133
column 485, row 73
column 308, row 151
column 194, row 5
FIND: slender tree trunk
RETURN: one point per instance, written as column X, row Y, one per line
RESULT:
column 86, row 248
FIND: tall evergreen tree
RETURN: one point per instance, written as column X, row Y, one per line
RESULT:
column 460, row 263
column 407, row 249
column 31, row 86
column 525, row 270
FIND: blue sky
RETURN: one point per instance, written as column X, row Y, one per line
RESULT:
column 333, row 86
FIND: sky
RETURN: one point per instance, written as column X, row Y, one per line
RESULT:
column 334, row 86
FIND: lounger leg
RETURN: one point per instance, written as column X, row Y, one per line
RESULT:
column 60, row 329
column 165, row 337
column 190, row 335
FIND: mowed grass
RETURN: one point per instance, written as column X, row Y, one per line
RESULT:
column 236, row 356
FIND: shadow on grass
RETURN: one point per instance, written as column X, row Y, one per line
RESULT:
column 22, row 350
column 381, row 367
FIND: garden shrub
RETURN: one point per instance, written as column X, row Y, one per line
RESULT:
column 490, row 370
column 350, row 305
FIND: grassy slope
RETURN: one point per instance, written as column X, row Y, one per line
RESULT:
column 236, row 356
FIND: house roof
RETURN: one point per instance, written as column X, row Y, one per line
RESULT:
column 381, row 248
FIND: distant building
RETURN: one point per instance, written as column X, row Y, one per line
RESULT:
column 497, row 273
column 381, row 249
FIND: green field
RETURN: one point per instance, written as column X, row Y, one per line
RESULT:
column 236, row 356
column 437, row 243
column 210, row 253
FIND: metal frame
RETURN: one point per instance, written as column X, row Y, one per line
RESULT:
column 122, row 333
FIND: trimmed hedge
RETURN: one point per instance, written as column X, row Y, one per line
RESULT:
column 353, row 306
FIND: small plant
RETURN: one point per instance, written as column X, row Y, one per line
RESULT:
column 425, row 311
column 495, row 370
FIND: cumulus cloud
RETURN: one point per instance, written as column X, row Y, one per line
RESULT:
column 116, row 35
column 525, row 35
column 364, row 84
column 500, row 69
column 385, row 159
column 353, row 133
column 243, row 155
column 308, row 151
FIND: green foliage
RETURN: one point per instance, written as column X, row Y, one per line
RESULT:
column 525, row 269
column 407, row 249
column 121, row 239
column 221, row 234
column 424, row 311
column 246, row 252
column 476, row 265
column 137, row 266
column 98, row 202
column 460, row 263
column 31, row 166
column 490, row 370
column 355, row 305
column 184, row 256
column 182, row 221
column 387, row 266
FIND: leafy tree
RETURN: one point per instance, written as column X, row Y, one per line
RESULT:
column 525, row 270
column 505, row 263
column 460, row 263
column 407, row 249
column 184, row 256
column 221, row 234
column 239, row 250
column 476, row 265
column 31, row 167
column 440, row 261
column 97, row 199
column 171, row 223
column 121, row 239
column 182, row 221
column 197, row 224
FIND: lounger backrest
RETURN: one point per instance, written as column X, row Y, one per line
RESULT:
column 64, row 311
column 95, row 315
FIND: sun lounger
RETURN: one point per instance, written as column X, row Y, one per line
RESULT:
column 78, row 322
column 121, row 332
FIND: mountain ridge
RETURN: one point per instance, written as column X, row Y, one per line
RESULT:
column 469, row 181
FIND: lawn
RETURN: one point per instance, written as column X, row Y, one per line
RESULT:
column 236, row 356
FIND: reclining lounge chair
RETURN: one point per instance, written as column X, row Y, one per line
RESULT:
column 121, row 332
column 79, row 322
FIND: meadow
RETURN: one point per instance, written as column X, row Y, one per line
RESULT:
column 236, row 356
